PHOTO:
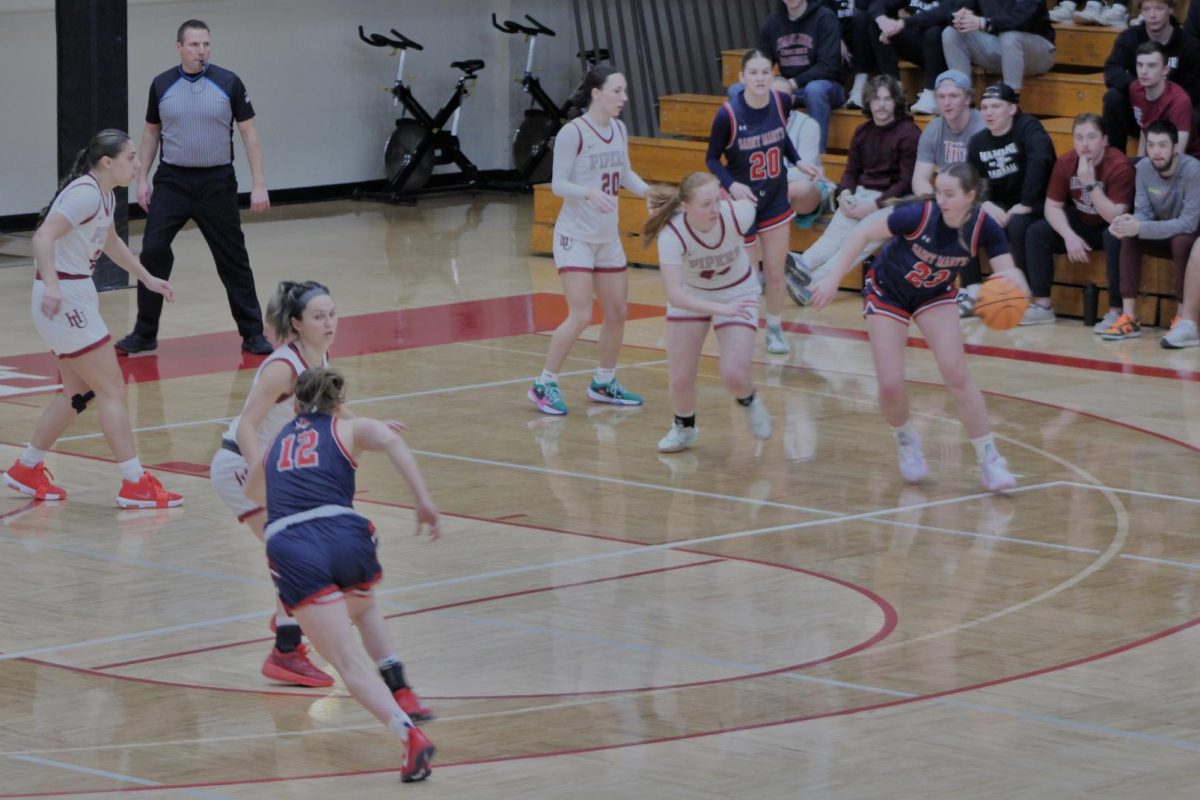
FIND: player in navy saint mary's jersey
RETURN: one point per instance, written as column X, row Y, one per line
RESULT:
column 750, row 132
column 322, row 553
column 912, row 279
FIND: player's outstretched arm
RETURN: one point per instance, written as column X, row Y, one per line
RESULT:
column 373, row 435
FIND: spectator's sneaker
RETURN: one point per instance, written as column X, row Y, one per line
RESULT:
column 761, row 423
column 258, row 345
column 1063, row 12
column 677, row 439
column 926, row 103
column 1182, row 334
column 1038, row 315
column 36, row 481
column 1090, row 14
column 295, row 668
column 547, row 398
column 411, row 704
column 147, row 493
column 1110, row 319
column 418, row 753
column 1115, row 16
column 855, row 98
column 994, row 473
column 966, row 304
column 797, row 268
column 613, row 393
column 776, row 344
column 1126, row 327
column 912, row 460
column 134, row 344
column 797, row 283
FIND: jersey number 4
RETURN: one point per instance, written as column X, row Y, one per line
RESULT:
column 298, row 451
column 924, row 276
column 764, row 164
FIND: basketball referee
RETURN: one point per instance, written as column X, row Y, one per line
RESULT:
column 191, row 111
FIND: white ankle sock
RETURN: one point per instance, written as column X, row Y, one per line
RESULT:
column 131, row 470
column 32, row 456
column 548, row 377
column 905, row 432
column 774, row 320
column 284, row 619
column 604, row 376
column 399, row 724
column 982, row 445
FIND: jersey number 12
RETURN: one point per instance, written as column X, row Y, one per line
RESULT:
column 298, row 451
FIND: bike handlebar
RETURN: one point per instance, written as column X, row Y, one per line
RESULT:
column 401, row 42
column 515, row 27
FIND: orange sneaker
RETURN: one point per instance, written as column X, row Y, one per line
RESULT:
column 411, row 704
column 418, row 752
column 34, row 481
column 294, row 667
column 147, row 493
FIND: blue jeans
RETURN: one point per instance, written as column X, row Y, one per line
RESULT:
column 819, row 98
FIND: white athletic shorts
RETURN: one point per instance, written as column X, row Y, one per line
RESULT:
column 748, row 287
column 77, row 328
column 228, row 475
column 572, row 255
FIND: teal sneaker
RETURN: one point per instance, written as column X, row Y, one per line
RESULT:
column 547, row 398
column 613, row 393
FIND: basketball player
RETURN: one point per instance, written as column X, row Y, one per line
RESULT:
column 708, row 278
column 322, row 553
column 71, row 234
column 591, row 165
column 303, row 316
column 913, row 280
column 750, row 131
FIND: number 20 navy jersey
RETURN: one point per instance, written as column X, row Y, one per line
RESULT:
column 754, row 142
column 308, row 467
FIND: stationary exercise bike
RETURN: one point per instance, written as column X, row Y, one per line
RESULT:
column 533, row 142
column 421, row 142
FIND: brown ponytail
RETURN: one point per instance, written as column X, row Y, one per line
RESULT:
column 288, row 303
column 108, row 142
column 320, row 390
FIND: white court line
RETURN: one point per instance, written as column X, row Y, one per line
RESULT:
column 116, row 776
column 1134, row 492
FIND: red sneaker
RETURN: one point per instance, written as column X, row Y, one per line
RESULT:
column 411, row 704
column 147, row 493
column 34, row 481
column 418, row 752
column 294, row 667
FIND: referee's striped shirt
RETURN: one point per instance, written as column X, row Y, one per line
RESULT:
column 197, row 113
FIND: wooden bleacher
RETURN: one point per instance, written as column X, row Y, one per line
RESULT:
column 1075, row 85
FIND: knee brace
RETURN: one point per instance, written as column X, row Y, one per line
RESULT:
column 79, row 402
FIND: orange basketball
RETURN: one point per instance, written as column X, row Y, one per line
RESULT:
column 1001, row 304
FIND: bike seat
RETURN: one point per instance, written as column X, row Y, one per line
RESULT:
column 595, row 55
column 469, row 66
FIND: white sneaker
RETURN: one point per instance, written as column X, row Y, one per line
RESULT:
column 776, row 344
column 1115, row 16
column 912, row 460
column 855, row 98
column 1182, row 334
column 966, row 301
column 1038, row 315
column 1110, row 319
column 1090, row 14
column 1063, row 12
column 761, row 423
column 677, row 439
column 926, row 103
column 994, row 473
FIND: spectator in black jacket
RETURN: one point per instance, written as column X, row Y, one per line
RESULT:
column 856, row 45
column 1016, row 155
column 1120, row 68
column 1012, row 37
column 916, row 37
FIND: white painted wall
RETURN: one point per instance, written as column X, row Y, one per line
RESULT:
column 318, row 91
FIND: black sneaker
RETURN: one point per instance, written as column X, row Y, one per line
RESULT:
column 133, row 344
column 258, row 345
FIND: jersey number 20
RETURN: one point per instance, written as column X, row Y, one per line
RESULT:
column 610, row 183
column 764, row 164
column 923, row 276
column 298, row 451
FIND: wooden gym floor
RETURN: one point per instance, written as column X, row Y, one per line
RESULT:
column 742, row 620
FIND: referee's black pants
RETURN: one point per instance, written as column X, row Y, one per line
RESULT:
column 207, row 195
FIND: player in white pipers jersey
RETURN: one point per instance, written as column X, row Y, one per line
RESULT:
column 709, row 281
column 591, row 166
column 73, row 232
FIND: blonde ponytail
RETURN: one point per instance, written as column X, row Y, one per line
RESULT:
column 664, row 201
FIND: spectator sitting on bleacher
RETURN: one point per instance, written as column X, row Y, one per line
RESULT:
column 856, row 46
column 879, row 166
column 1015, row 154
column 1183, row 331
column 1012, row 37
column 944, row 140
column 916, row 37
column 809, row 197
column 1089, row 187
column 804, row 39
column 1154, row 97
column 1166, row 213
column 1120, row 68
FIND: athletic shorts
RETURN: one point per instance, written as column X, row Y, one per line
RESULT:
column 747, row 287
column 902, row 306
column 228, row 475
column 572, row 255
column 772, row 210
column 320, row 560
column 77, row 328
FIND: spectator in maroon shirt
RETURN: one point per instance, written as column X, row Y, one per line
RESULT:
column 1154, row 97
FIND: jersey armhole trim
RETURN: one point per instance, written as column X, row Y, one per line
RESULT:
column 333, row 426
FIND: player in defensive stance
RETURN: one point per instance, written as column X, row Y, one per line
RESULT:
column 322, row 553
column 913, row 280
column 71, row 234
column 591, row 166
column 709, row 281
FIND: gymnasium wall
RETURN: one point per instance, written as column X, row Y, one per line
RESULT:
column 318, row 91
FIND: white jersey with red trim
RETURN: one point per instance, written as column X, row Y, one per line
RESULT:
column 601, row 161
column 283, row 411
column 714, row 259
column 90, row 212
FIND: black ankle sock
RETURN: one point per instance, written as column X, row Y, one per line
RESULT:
column 686, row 422
column 746, row 401
column 393, row 676
column 287, row 638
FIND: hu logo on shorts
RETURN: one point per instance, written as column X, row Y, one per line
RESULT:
column 564, row 242
column 75, row 318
